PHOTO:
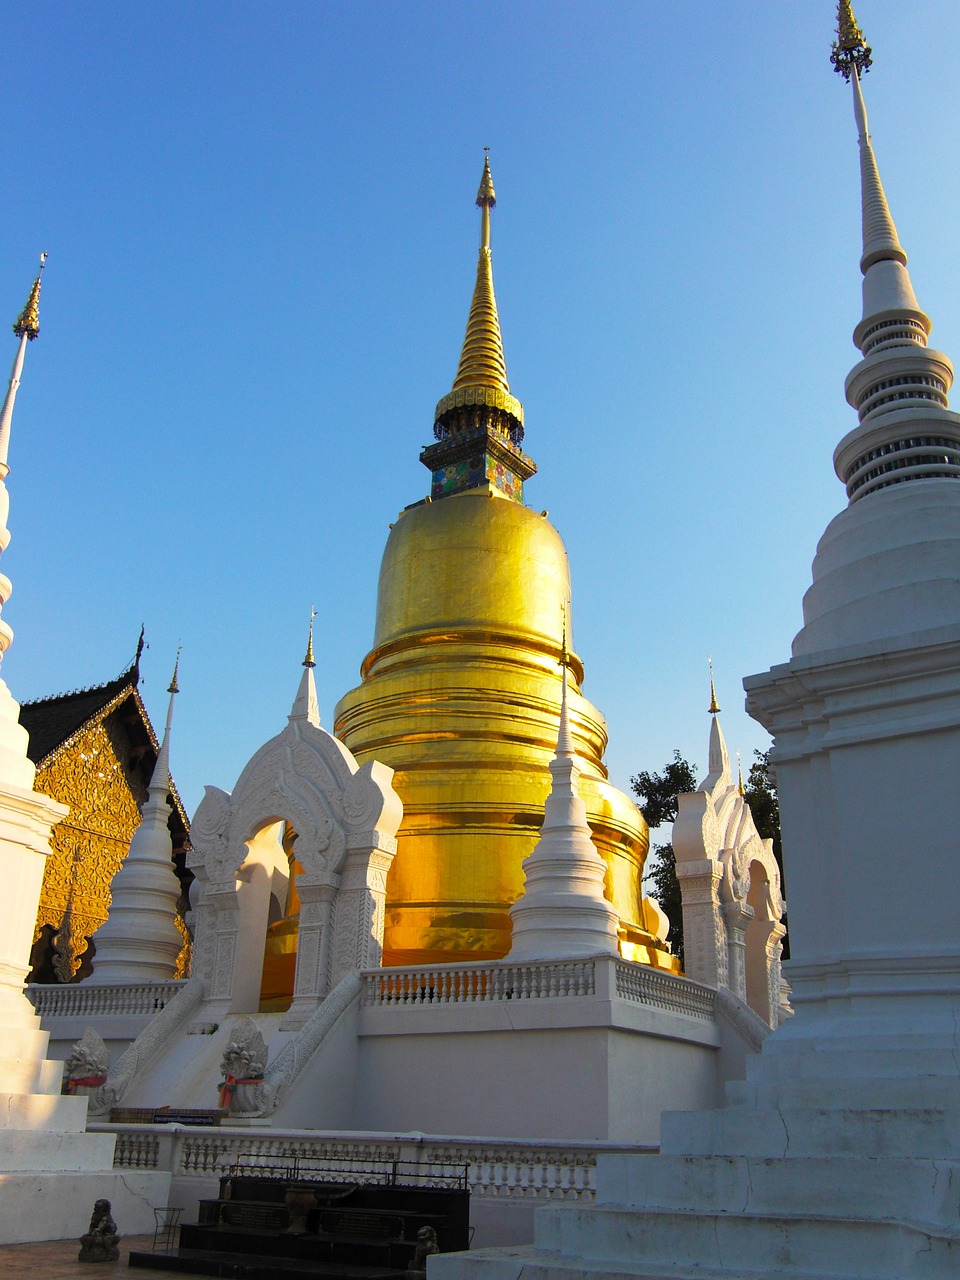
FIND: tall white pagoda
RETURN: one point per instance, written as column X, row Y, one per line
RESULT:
column 838, row 1156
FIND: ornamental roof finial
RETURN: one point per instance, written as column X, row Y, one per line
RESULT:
column 714, row 707
column 27, row 323
column 740, row 786
column 486, row 196
column 173, row 687
column 850, row 50
column 308, row 659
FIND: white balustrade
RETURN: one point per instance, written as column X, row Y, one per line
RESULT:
column 495, row 1170
column 643, row 985
column 80, row 1000
column 547, row 980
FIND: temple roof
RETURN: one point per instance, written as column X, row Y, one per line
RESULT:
column 54, row 722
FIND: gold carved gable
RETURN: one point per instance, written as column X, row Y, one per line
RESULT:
column 94, row 774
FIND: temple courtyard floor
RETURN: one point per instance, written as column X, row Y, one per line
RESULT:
column 57, row 1260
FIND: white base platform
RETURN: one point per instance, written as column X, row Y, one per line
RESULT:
column 57, row 1206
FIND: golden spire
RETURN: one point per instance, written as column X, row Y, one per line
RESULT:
column 28, row 321
column 481, row 360
column 564, row 655
column 308, row 660
column 173, row 687
column 740, row 786
column 714, row 707
column 850, row 50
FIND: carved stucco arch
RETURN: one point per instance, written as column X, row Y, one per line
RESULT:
column 346, row 818
column 717, row 845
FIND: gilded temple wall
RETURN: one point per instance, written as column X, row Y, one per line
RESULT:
column 93, row 775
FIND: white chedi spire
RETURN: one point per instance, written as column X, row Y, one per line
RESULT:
column 562, row 912
column 140, row 941
column 886, row 567
column 899, row 389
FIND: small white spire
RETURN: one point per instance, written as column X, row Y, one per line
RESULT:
column 562, row 912
column 140, row 941
column 160, row 779
column 305, row 705
column 26, row 327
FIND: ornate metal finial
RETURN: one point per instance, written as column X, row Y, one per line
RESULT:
column 714, row 707
column 850, row 50
column 486, row 196
column 173, row 687
column 740, row 786
column 141, row 645
column 28, row 321
column 564, row 655
column 308, row 660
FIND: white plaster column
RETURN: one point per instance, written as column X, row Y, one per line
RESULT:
column 358, row 927
column 704, row 930
column 221, row 920
column 736, row 917
column 313, row 950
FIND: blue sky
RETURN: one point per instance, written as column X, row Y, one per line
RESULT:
column 262, row 246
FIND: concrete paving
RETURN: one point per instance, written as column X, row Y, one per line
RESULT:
column 57, row 1260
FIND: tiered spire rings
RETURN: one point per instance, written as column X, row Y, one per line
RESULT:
column 479, row 425
column 899, row 389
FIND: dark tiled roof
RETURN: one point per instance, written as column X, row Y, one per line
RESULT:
column 50, row 722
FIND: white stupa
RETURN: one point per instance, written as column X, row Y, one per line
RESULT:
column 562, row 913
column 139, row 941
column 838, row 1156
column 51, row 1170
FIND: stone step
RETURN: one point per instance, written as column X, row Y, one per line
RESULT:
column 42, row 1111
column 24, row 1042
column 31, row 1075
column 31, row 1150
column 789, row 1245
column 935, row 1092
column 785, row 1133
column 846, row 1187
column 529, row 1264
column 848, row 1065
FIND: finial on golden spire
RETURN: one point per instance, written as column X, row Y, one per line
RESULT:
column 308, row 660
column 850, row 50
column 27, row 323
column 173, row 687
column 564, row 655
column 486, row 195
column 714, row 708
column 740, row 786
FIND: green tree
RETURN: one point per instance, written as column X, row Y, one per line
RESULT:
column 760, row 794
column 657, row 793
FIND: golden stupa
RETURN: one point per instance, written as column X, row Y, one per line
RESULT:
column 461, row 691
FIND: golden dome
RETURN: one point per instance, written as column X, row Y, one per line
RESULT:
column 461, row 696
